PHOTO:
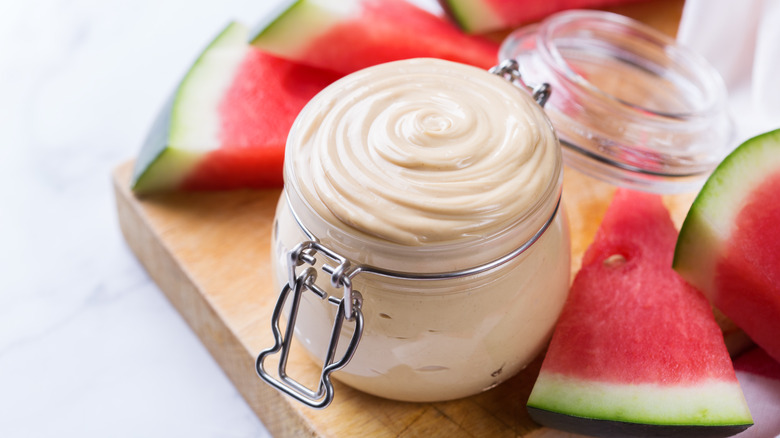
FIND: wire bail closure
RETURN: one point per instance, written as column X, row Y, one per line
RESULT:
column 349, row 309
column 509, row 69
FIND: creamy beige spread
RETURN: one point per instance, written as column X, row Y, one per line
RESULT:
column 422, row 151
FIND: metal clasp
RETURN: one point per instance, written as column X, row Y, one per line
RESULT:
column 349, row 309
column 509, row 69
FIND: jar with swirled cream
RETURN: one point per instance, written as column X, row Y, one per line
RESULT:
column 427, row 193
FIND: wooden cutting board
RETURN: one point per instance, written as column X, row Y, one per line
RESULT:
column 209, row 253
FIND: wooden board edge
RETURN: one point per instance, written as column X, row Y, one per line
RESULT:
column 222, row 343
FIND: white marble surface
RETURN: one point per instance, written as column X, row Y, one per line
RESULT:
column 89, row 347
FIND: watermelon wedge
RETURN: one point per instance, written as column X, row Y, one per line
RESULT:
column 637, row 351
column 349, row 35
column 757, row 362
column 226, row 125
column 729, row 244
column 759, row 375
column 479, row 16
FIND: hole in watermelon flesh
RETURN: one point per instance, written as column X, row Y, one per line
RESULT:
column 615, row 261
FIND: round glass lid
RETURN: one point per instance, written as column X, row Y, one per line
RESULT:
column 629, row 105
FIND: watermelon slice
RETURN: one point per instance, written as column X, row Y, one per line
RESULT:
column 759, row 375
column 729, row 244
column 226, row 125
column 479, row 16
column 757, row 362
column 637, row 351
column 349, row 35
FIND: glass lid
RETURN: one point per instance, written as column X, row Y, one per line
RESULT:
column 629, row 105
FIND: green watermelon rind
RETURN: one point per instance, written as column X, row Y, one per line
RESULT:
column 708, row 403
column 187, row 126
column 617, row 429
column 471, row 16
column 710, row 220
column 289, row 30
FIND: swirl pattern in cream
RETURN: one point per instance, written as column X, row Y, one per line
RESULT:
column 422, row 152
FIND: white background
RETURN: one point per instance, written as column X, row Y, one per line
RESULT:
column 89, row 347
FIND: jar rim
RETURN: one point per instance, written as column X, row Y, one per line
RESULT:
column 630, row 106
column 346, row 241
column 358, row 268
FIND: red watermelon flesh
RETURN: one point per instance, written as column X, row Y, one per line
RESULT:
column 227, row 125
column 256, row 114
column 478, row 16
column 729, row 244
column 637, row 351
column 757, row 361
column 759, row 375
column 750, row 291
column 349, row 35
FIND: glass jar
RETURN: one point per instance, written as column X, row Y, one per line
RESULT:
column 630, row 106
column 405, row 316
column 434, row 252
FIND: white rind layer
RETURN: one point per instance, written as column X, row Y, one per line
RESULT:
column 289, row 33
column 475, row 17
column 195, row 121
column 708, row 403
column 189, row 126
